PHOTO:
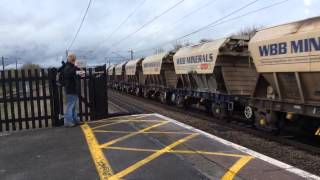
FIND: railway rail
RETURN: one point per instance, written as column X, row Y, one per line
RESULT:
column 295, row 151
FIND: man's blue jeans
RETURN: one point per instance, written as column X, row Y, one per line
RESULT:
column 70, row 116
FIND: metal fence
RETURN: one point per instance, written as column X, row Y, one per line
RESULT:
column 26, row 99
column 32, row 99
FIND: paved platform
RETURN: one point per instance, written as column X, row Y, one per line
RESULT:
column 53, row 153
column 152, row 146
column 146, row 146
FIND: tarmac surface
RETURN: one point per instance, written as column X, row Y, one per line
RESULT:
column 146, row 146
column 53, row 153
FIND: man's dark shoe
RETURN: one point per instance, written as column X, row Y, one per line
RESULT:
column 79, row 123
column 70, row 125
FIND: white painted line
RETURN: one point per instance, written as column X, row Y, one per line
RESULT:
column 270, row 160
column 4, row 134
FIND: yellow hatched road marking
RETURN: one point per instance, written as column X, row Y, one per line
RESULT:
column 104, row 125
column 150, row 158
column 136, row 120
column 179, row 151
column 132, row 134
column 105, row 171
column 235, row 168
column 103, row 167
column 132, row 149
column 118, row 118
column 149, row 132
column 131, row 116
column 125, row 121
column 317, row 132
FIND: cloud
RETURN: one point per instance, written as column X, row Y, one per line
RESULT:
column 40, row 31
column 307, row 2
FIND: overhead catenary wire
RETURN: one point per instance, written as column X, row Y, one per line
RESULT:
column 222, row 22
column 120, row 25
column 147, row 23
column 240, row 16
column 194, row 11
column 80, row 26
column 225, row 21
column 220, row 19
column 210, row 24
column 187, row 15
column 251, row 12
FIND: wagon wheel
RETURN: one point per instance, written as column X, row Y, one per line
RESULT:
column 249, row 114
column 180, row 101
column 145, row 94
column 173, row 98
column 208, row 107
column 163, row 97
column 137, row 92
column 280, row 122
column 270, row 121
column 218, row 111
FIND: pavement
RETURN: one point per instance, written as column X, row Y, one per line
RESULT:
column 52, row 153
column 146, row 146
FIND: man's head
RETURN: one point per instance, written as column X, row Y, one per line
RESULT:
column 72, row 58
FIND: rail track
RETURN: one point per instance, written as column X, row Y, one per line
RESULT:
column 287, row 148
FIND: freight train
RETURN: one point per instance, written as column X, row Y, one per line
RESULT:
column 271, row 79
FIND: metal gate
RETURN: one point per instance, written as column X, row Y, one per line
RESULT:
column 32, row 99
column 92, row 94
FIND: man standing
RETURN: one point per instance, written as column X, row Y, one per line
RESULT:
column 70, row 75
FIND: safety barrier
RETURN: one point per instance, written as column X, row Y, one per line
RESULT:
column 32, row 98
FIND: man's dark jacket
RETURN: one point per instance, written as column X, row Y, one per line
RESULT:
column 69, row 73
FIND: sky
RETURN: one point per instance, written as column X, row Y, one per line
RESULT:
column 40, row 31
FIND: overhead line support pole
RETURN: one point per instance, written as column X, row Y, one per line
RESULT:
column 2, row 60
column 131, row 54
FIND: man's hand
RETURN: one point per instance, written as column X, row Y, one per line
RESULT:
column 81, row 73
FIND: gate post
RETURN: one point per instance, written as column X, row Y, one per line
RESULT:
column 55, row 103
column 98, row 94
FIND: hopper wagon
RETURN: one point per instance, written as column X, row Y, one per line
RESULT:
column 287, row 58
column 110, row 77
column 272, row 79
column 159, row 76
column 119, row 76
column 218, row 75
column 134, row 78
